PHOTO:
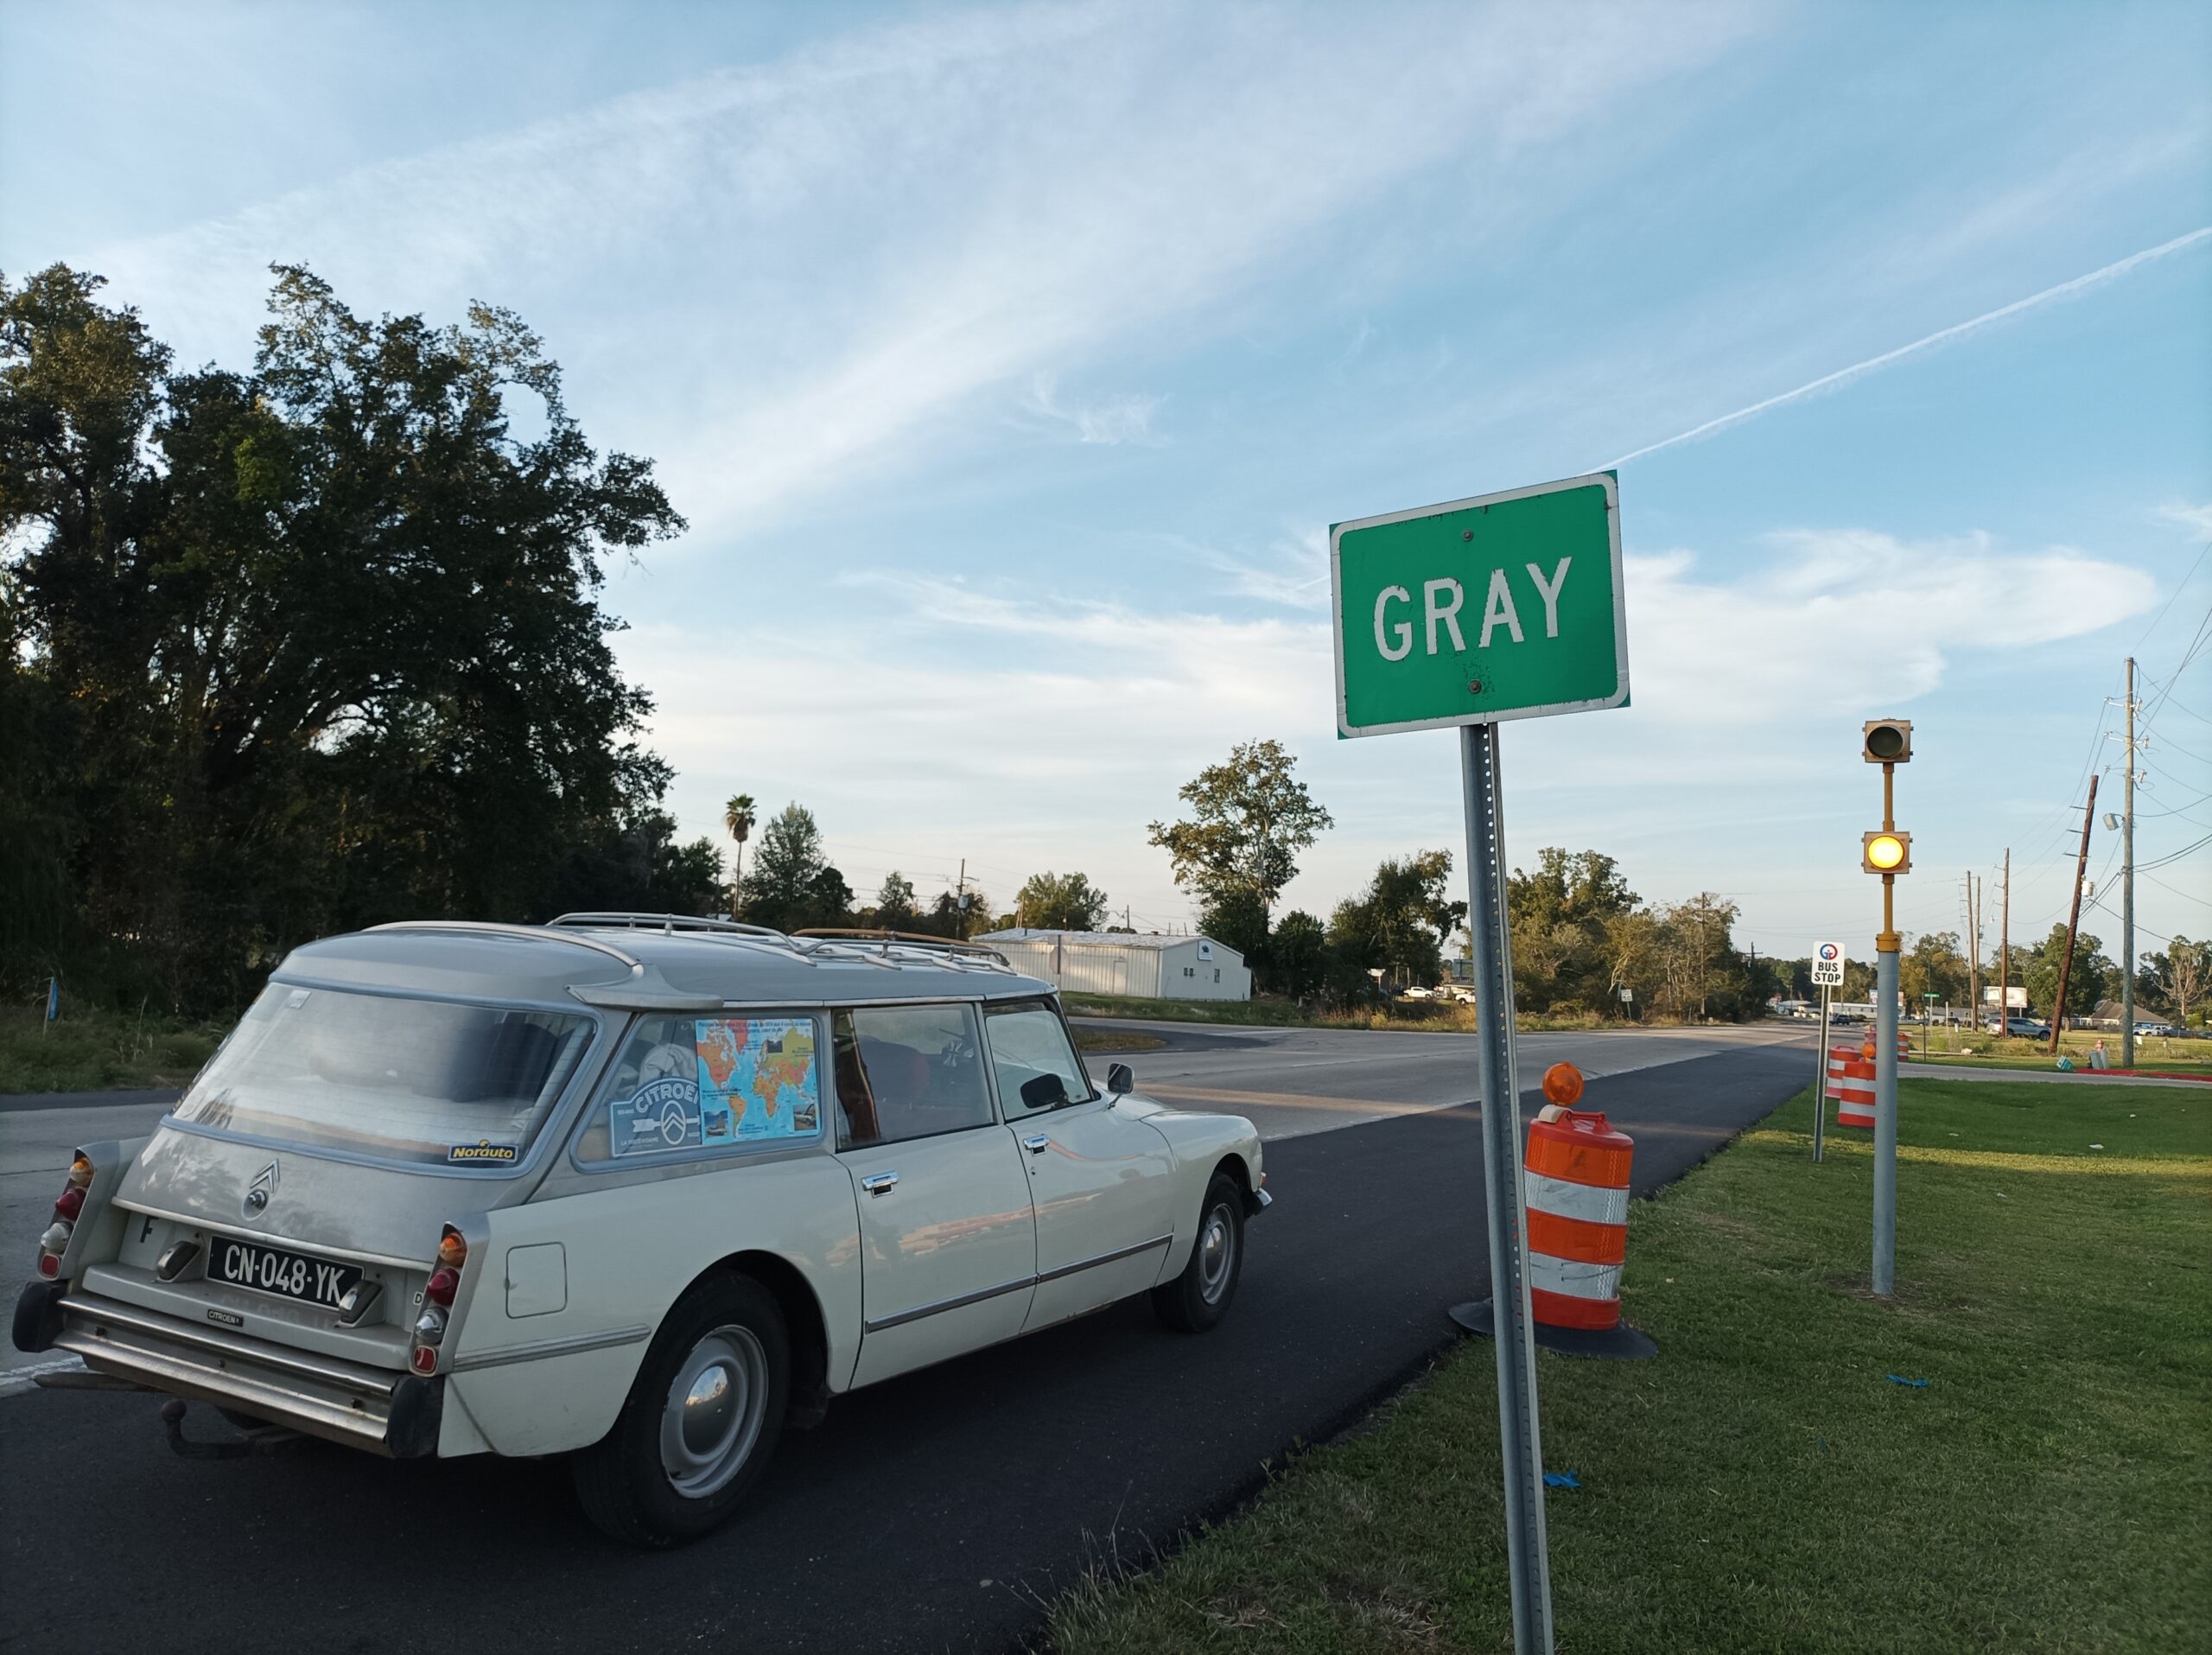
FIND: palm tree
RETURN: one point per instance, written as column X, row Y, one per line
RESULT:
column 737, row 817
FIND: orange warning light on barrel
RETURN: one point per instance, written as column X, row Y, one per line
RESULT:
column 1562, row 1084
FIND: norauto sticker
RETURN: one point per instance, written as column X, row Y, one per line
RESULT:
column 481, row 1152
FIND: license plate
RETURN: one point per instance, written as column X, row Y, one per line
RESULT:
column 272, row 1270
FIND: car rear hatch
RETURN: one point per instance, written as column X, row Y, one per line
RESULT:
column 279, row 1230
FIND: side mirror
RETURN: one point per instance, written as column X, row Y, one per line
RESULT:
column 1120, row 1078
column 1044, row 1091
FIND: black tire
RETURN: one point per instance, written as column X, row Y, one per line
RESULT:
column 1196, row 1300
column 624, row 1481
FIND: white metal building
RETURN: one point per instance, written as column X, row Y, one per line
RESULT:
column 1145, row 964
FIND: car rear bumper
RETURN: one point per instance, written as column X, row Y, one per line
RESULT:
column 397, row 1415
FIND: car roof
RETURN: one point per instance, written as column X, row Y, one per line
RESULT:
column 643, row 962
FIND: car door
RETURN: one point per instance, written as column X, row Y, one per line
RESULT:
column 1100, row 1182
column 948, row 1239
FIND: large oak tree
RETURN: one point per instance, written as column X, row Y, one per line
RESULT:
column 313, row 645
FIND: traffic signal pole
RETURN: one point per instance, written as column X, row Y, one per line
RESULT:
column 1885, row 1065
column 1886, row 851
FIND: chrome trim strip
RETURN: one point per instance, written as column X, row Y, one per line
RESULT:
column 967, row 1299
column 574, row 1345
column 942, row 1305
column 345, row 1376
column 1105, row 1258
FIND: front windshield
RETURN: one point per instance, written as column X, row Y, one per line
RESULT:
column 422, row 1081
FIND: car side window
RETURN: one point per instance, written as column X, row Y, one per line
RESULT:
column 906, row 1071
column 1034, row 1060
column 686, row 1086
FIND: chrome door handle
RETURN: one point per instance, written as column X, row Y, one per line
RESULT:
column 879, row 1183
column 1038, row 1144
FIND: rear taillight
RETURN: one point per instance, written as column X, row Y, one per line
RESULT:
column 68, row 1207
column 438, row 1295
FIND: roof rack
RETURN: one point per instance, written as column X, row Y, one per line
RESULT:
column 965, row 953
column 494, row 928
column 666, row 924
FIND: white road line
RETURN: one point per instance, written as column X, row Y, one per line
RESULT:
column 16, row 1380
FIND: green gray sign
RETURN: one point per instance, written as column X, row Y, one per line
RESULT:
column 1506, row 606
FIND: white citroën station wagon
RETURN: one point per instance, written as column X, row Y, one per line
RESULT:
column 636, row 1188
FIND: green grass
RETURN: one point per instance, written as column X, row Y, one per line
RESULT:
column 1762, row 1485
column 1109, row 1039
column 1988, row 1052
column 91, row 1050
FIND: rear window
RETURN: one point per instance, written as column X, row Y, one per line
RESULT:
column 425, row 1082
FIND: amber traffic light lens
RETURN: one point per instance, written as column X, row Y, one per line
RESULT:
column 1885, row 852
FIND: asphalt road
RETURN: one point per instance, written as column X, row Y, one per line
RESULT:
column 938, row 1511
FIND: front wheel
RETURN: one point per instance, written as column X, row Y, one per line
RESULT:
column 1198, row 1298
column 701, row 1421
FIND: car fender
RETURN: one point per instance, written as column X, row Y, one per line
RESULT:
column 1199, row 1142
column 575, row 1288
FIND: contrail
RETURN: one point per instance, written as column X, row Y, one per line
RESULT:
column 1844, row 375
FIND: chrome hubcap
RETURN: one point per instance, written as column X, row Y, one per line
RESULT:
column 1217, row 1251
column 717, row 1405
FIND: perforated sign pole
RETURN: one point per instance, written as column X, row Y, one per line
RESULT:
column 1519, row 1437
column 1827, row 972
column 1821, row 1078
column 1505, row 606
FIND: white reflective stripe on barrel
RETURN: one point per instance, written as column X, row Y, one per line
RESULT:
column 1579, row 1281
column 1566, row 1200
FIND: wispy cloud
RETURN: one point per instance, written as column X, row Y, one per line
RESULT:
column 1851, row 617
column 818, row 260
column 1112, row 420
column 1296, row 574
column 1843, row 376
column 2196, row 520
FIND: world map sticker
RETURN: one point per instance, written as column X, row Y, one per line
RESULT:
column 757, row 1079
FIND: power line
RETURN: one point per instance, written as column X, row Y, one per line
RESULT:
column 2176, row 593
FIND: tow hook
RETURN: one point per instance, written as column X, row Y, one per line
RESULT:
column 260, row 1439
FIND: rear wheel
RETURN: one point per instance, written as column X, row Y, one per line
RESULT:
column 1199, row 1297
column 701, row 1421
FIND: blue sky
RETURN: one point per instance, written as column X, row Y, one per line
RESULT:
column 1011, row 362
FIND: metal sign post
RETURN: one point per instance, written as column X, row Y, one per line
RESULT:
column 1821, row 1078
column 1520, row 1441
column 1827, row 974
column 1505, row 606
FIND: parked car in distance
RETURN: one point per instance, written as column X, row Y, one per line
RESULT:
column 2167, row 1030
column 635, row 1189
column 2023, row 1027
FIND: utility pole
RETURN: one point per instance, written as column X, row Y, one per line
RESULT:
column 2128, row 891
column 2005, row 946
column 2072, row 917
column 1974, row 949
column 960, row 904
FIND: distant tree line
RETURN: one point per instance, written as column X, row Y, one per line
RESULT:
column 2171, row 984
column 306, row 646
